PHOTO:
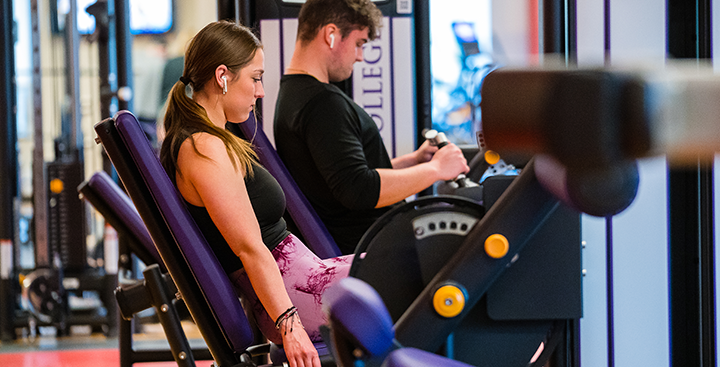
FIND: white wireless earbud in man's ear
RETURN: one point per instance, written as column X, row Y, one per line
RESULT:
column 224, row 79
column 332, row 40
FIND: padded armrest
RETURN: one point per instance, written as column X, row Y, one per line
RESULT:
column 117, row 209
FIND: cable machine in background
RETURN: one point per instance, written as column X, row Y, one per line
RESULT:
column 64, row 289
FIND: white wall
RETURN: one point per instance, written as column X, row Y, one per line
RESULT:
column 511, row 43
column 590, row 32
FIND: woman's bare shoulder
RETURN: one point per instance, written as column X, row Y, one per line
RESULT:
column 206, row 144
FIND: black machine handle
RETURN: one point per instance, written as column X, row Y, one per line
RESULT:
column 439, row 140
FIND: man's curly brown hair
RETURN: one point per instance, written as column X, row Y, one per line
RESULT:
column 347, row 15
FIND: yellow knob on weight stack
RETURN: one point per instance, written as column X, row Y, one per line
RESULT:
column 56, row 186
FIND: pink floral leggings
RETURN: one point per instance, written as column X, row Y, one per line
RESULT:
column 306, row 277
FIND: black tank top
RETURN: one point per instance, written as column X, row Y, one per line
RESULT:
column 268, row 202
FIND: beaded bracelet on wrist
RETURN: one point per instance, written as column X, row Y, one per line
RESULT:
column 289, row 314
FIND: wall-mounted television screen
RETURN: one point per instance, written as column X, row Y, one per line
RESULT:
column 146, row 16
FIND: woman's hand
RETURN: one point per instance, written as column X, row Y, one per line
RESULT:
column 299, row 350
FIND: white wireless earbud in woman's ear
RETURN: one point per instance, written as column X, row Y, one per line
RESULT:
column 224, row 79
column 332, row 40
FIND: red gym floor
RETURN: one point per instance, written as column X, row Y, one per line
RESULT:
column 74, row 358
column 84, row 350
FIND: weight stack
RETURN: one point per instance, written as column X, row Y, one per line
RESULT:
column 66, row 215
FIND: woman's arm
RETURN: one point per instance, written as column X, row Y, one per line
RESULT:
column 216, row 185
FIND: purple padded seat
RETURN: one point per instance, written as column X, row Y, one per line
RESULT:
column 358, row 309
column 315, row 234
column 217, row 290
column 118, row 210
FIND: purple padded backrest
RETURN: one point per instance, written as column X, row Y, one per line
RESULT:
column 214, row 283
column 316, row 235
column 124, row 210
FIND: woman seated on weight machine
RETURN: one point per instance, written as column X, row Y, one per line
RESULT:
column 236, row 203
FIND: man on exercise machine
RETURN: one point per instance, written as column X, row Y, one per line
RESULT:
column 330, row 145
